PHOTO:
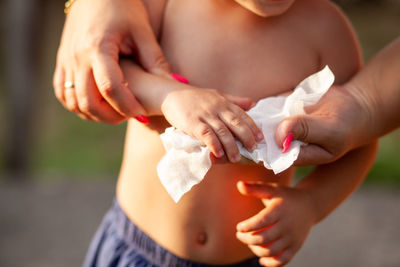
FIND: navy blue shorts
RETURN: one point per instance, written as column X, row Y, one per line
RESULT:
column 118, row 242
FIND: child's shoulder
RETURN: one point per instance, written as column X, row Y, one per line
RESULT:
column 333, row 37
column 328, row 15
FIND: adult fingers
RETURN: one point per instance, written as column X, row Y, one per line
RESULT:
column 69, row 92
column 110, row 82
column 58, row 84
column 90, row 101
column 313, row 155
column 150, row 54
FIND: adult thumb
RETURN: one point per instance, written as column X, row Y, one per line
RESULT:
column 306, row 128
column 149, row 52
column 322, row 133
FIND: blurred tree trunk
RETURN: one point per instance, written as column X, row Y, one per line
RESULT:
column 21, row 34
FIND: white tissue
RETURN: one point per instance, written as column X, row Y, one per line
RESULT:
column 188, row 160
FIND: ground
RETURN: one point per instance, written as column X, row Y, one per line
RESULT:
column 50, row 223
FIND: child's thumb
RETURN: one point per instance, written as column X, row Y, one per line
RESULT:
column 257, row 189
column 244, row 103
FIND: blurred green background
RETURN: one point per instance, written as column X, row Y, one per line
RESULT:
column 62, row 145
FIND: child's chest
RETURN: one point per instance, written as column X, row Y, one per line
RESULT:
column 234, row 51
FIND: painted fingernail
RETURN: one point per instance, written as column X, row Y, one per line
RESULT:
column 179, row 78
column 143, row 119
column 287, row 142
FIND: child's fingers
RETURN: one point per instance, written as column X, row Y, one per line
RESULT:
column 279, row 260
column 239, row 128
column 260, row 237
column 258, row 190
column 244, row 102
column 258, row 135
column 259, row 221
column 205, row 133
column 276, row 247
column 226, row 138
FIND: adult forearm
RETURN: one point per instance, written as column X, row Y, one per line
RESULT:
column 377, row 85
column 329, row 185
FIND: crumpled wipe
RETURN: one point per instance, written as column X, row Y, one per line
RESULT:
column 187, row 159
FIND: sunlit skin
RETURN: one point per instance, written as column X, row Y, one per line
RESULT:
column 221, row 46
column 357, row 112
column 266, row 8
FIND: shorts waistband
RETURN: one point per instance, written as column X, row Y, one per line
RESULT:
column 159, row 256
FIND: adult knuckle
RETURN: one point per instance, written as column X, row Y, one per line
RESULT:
column 106, row 87
column 86, row 106
column 303, row 125
column 160, row 61
column 101, row 45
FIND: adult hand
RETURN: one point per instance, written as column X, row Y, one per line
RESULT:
column 96, row 32
column 332, row 127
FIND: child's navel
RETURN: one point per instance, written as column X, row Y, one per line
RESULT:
column 201, row 238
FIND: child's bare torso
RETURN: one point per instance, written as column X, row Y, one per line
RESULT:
column 220, row 45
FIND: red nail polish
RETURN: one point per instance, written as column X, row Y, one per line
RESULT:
column 287, row 142
column 143, row 119
column 179, row 78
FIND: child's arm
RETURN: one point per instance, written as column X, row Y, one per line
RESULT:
column 277, row 232
column 202, row 113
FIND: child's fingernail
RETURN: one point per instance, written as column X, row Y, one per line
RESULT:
column 236, row 158
column 287, row 142
column 143, row 119
column 253, row 147
column 260, row 137
column 220, row 153
column 179, row 78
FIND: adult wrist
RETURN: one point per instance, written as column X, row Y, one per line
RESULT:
column 366, row 107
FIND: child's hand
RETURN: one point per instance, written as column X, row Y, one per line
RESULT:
column 278, row 231
column 213, row 119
